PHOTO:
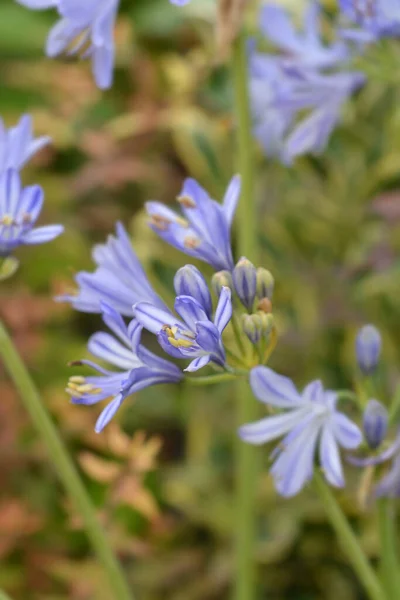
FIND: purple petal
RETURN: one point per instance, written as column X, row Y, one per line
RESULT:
column 271, row 388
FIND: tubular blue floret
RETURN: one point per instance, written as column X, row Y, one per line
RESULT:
column 17, row 144
column 193, row 335
column 244, row 278
column 368, row 348
column 188, row 281
column 136, row 367
column 203, row 229
column 375, row 19
column 19, row 210
column 311, row 423
column 119, row 279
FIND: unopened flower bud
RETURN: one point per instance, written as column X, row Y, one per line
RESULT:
column 188, row 281
column 221, row 279
column 267, row 322
column 375, row 423
column 265, row 283
column 245, row 282
column 368, row 348
column 252, row 327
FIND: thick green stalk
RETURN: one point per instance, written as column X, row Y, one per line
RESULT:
column 63, row 466
column 389, row 562
column 246, row 455
column 349, row 542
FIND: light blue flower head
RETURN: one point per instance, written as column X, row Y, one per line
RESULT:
column 133, row 367
column 203, row 231
column 311, row 423
column 17, row 144
column 375, row 19
column 19, row 211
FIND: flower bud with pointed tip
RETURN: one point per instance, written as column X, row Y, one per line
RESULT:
column 252, row 327
column 375, row 423
column 245, row 281
column 265, row 283
column 267, row 322
column 188, row 281
column 368, row 348
column 221, row 279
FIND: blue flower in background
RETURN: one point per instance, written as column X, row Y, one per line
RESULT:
column 17, row 144
column 375, row 18
column 368, row 348
column 19, row 211
column 119, row 279
column 194, row 335
column 306, row 48
column 203, row 231
column 138, row 368
column 311, row 422
column 296, row 96
column 86, row 27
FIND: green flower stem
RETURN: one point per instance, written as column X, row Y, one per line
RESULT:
column 246, row 455
column 211, row 379
column 389, row 562
column 63, row 465
column 349, row 542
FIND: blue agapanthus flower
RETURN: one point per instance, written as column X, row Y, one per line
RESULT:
column 310, row 423
column 297, row 94
column 85, row 28
column 136, row 367
column 19, row 211
column 193, row 335
column 17, row 144
column 375, row 18
column 119, row 279
column 203, row 231
column 305, row 48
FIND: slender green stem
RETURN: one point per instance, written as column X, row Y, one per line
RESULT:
column 246, row 455
column 63, row 465
column 211, row 379
column 349, row 542
column 389, row 562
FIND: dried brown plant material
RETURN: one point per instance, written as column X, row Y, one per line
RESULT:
column 230, row 17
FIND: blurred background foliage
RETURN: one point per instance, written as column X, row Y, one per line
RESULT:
column 162, row 477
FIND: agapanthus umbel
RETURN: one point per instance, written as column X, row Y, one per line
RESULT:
column 311, row 423
column 17, row 144
column 137, row 367
column 298, row 93
column 203, row 230
column 19, row 211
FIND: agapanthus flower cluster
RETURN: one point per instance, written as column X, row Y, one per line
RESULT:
column 298, row 93
column 374, row 19
column 85, row 28
column 20, row 207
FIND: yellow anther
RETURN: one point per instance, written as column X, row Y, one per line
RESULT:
column 187, row 201
column 7, row 220
column 180, row 343
column 160, row 222
column 191, row 242
column 82, row 387
column 182, row 222
column 77, row 379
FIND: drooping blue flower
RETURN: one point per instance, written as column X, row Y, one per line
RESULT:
column 311, row 423
column 204, row 229
column 17, row 144
column 306, row 48
column 368, row 348
column 85, row 28
column 119, row 279
column 137, row 367
column 389, row 485
column 194, row 335
column 19, row 211
column 375, row 18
